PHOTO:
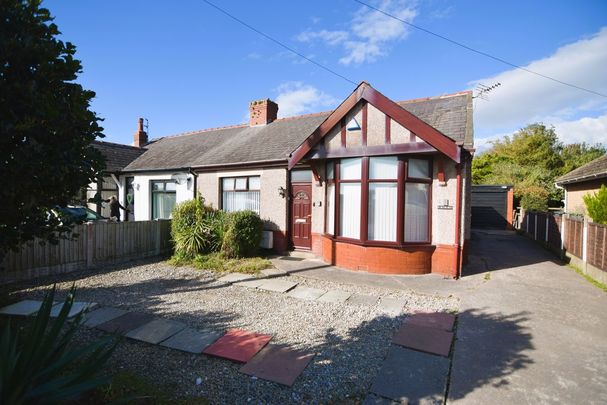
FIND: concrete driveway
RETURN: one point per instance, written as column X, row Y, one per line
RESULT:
column 530, row 330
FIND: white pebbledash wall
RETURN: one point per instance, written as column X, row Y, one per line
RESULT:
column 143, row 191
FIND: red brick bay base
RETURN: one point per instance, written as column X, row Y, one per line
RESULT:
column 384, row 260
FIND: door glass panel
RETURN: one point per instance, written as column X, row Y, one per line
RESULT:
column 301, row 176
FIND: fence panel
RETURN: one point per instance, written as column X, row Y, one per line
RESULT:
column 96, row 244
column 554, row 232
column 574, row 235
column 597, row 235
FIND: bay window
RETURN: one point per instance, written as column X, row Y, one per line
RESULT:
column 240, row 193
column 383, row 200
column 349, row 197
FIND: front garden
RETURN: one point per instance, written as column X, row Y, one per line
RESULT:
column 215, row 240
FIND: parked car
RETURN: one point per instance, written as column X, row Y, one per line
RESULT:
column 77, row 213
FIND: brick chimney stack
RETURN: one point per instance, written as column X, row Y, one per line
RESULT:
column 262, row 112
column 141, row 137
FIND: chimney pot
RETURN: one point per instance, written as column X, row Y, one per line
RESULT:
column 141, row 137
column 262, row 112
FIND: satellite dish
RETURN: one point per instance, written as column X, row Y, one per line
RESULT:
column 179, row 178
column 353, row 125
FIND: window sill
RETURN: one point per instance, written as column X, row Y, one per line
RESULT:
column 393, row 245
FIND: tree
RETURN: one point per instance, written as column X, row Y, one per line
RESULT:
column 596, row 205
column 531, row 160
column 46, row 126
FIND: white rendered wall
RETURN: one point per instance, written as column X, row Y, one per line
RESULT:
column 143, row 194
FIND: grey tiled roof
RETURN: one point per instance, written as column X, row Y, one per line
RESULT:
column 595, row 169
column 117, row 156
column 452, row 115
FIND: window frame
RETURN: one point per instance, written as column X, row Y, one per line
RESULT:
column 401, row 181
column 247, row 189
column 164, row 191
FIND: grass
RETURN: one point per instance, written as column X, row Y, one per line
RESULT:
column 488, row 276
column 579, row 271
column 218, row 263
column 127, row 387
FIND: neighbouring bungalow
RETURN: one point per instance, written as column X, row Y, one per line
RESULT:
column 375, row 185
column 584, row 180
column 117, row 157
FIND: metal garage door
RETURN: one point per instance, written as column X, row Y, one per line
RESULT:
column 490, row 207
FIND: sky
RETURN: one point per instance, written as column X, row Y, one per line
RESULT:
column 185, row 66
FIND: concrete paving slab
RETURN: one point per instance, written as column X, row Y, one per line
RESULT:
column 101, row 315
column 77, row 307
column 235, row 277
column 306, row 293
column 438, row 320
column 156, row 331
column 412, row 377
column 273, row 272
column 238, row 345
column 429, row 340
column 362, row 299
column 125, row 323
column 251, row 283
column 335, row 296
column 22, row 308
column 393, row 306
column 192, row 340
column 277, row 285
column 278, row 363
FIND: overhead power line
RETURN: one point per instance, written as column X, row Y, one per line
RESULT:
column 479, row 52
column 288, row 48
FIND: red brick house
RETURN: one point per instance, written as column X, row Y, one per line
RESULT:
column 374, row 185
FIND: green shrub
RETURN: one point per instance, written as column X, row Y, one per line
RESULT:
column 192, row 228
column 242, row 234
column 39, row 364
column 596, row 205
column 534, row 199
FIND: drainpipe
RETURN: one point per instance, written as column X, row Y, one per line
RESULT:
column 458, row 214
column 195, row 180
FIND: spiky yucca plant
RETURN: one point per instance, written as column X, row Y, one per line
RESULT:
column 39, row 364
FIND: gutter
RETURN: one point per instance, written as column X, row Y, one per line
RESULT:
column 580, row 179
column 178, row 169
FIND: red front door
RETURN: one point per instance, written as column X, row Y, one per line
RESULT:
column 301, row 215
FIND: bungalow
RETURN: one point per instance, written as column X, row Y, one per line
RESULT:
column 586, row 179
column 373, row 185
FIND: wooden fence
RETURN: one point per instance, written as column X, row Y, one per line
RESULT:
column 583, row 242
column 97, row 244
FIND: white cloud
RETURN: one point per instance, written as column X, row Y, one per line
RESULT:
column 370, row 32
column 296, row 98
column 524, row 98
column 330, row 37
column 589, row 130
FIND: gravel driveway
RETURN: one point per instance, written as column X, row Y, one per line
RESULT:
column 350, row 341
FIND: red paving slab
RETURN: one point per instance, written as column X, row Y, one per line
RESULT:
column 238, row 345
column 278, row 363
column 424, row 339
column 438, row 320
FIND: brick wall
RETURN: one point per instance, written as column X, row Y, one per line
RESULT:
column 384, row 260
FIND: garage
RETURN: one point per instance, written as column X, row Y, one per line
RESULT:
column 492, row 206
